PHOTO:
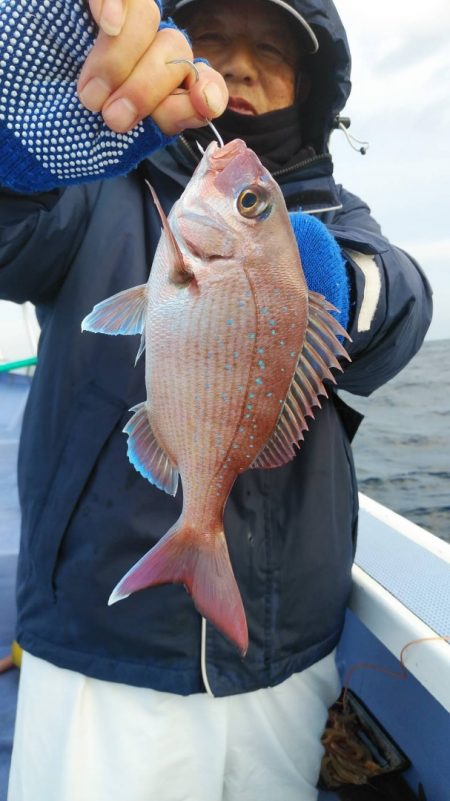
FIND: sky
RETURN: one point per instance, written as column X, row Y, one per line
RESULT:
column 400, row 103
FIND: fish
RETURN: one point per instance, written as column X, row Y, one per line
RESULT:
column 237, row 350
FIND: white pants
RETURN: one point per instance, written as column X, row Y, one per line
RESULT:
column 81, row 739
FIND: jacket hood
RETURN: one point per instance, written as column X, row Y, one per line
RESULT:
column 329, row 69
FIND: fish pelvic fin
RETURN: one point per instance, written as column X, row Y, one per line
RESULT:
column 123, row 313
column 202, row 564
column 146, row 454
column 320, row 352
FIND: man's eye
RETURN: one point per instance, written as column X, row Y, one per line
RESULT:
column 271, row 50
column 208, row 37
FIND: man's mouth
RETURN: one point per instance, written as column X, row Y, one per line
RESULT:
column 241, row 106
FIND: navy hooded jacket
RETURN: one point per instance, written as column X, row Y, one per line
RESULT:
column 88, row 515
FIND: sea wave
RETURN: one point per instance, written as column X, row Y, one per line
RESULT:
column 402, row 448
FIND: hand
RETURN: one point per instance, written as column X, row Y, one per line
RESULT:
column 127, row 75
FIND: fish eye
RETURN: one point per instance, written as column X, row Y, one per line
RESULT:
column 253, row 202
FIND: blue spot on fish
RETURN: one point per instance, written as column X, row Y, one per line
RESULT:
column 269, row 394
column 259, row 381
column 249, row 406
column 252, row 335
column 292, row 353
column 240, row 388
column 260, row 350
column 272, row 322
column 261, row 364
column 251, row 395
column 264, row 310
column 230, row 322
column 273, row 332
column 228, row 367
column 236, row 354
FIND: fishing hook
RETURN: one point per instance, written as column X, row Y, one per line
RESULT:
column 192, row 65
column 187, row 91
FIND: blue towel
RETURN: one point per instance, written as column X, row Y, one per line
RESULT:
column 323, row 263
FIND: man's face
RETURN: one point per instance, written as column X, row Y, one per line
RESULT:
column 252, row 45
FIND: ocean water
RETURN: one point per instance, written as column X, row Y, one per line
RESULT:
column 402, row 448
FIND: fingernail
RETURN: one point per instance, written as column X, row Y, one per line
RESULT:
column 94, row 94
column 191, row 122
column 214, row 99
column 112, row 18
column 121, row 115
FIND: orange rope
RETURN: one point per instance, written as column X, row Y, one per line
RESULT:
column 394, row 674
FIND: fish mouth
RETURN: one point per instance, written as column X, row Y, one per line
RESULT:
column 241, row 106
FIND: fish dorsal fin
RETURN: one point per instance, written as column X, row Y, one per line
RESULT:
column 318, row 355
column 123, row 313
column 146, row 454
column 181, row 273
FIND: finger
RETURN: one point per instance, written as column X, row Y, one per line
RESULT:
column 113, row 59
column 109, row 14
column 208, row 95
column 177, row 112
column 152, row 80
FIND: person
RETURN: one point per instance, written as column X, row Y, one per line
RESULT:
column 116, row 702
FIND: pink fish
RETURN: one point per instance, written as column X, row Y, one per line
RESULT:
column 237, row 349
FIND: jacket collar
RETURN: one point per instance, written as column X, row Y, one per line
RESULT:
column 308, row 186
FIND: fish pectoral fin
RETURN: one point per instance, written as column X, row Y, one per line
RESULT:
column 202, row 564
column 146, row 454
column 123, row 313
column 319, row 354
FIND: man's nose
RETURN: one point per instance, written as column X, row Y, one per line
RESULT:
column 240, row 64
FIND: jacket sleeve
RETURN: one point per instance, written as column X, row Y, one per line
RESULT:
column 390, row 299
column 47, row 137
column 39, row 236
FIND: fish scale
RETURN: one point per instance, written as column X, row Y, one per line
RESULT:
column 237, row 350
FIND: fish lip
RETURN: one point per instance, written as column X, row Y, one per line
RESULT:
column 240, row 105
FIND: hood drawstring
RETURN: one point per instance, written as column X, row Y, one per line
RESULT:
column 342, row 124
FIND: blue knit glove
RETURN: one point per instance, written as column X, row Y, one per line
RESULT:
column 323, row 263
column 47, row 138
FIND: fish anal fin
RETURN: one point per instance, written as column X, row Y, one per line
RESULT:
column 146, row 454
column 320, row 352
column 123, row 313
column 202, row 564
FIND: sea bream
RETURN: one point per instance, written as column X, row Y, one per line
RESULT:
column 236, row 351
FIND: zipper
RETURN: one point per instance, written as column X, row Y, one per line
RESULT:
column 301, row 164
column 203, row 660
column 285, row 171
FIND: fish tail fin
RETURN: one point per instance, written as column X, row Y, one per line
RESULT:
column 202, row 564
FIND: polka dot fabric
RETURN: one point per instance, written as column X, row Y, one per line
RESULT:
column 47, row 138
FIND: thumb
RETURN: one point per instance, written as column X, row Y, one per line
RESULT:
column 109, row 15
